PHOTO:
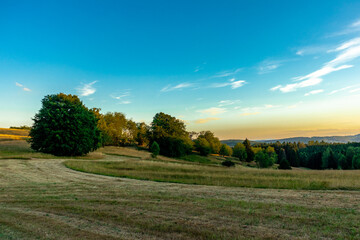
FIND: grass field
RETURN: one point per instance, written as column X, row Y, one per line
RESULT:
column 7, row 134
column 222, row 176
column 42, row 199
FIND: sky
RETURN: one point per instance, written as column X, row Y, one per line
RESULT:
column 255, row 69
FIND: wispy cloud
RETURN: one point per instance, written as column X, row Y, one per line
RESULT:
column 275, row 88
column 227, row 73
column 268, row 66
column 213, row 111
column 228, row 102
column 205, row 120
column 23, row 87
column 314, row 92
column 122, row 97
column 311, row 50
column 233, row 83
column 354, row 90
column 351, row 28
column 180, row 86
column 340, row 90
column 346, row 52
column 87, row 89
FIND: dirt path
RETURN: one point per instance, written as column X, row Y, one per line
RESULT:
column 44, row 199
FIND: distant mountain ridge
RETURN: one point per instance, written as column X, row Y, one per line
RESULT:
column 329, row 139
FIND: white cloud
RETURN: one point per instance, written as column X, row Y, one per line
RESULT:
column 311, row 50
column 354, row 90
column 205, row 120
column 347, row 52
column 294, row 86
column 124, row 102
column 314, row 92
column 322, row 72
column 23, row 87
column 180, row 86
column 228, row 102
column 352, row 28
column 87, row 89
column 123, row 95
column 268, row 66
column 227, row 73
column 340, row 90
column 232, row 82
column 275, row 88
column 356, row 24
column 213, row 111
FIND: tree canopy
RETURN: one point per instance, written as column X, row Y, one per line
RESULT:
column 64, row 127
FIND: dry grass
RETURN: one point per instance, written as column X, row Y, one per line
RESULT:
column 7, row 134
column 41, row 199
column 222, row 176
column 21, row 150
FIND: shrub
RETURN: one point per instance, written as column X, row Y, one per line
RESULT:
column 228, row 163
column 154, row 149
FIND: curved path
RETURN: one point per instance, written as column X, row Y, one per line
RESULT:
column 42, row 199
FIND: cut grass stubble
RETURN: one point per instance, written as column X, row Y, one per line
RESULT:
column 221, row 176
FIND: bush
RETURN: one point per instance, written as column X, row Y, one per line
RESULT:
column 154, row 149
column 64, row 127
column 228, row 163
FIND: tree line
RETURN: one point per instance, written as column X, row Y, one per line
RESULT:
column 64, row 126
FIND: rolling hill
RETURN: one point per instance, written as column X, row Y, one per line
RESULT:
column 329, row 139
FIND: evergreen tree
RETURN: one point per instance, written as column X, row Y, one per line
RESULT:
column 249, row 152
column 283, row 162
column 154, row 149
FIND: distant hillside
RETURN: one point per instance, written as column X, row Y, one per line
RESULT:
column 329, row 139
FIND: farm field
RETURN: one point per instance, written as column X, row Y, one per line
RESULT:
column 43, row 199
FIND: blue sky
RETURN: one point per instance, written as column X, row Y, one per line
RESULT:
column 257, row 69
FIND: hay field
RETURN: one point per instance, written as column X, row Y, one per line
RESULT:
column 43, row 199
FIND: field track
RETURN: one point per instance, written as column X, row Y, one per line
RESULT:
column 42, row 199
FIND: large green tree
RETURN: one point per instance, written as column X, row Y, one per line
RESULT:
column 171, row 135
column 64, row 127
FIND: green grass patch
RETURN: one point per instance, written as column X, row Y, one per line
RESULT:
column 222, row 176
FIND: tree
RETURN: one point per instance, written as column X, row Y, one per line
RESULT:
column 203, row 146
column 225, row 150
column 154, row 149
column 142, row 137
column 214, row 142
column 283, row 162
column 171, row 135
column 64, row 127
column 239, row 151
column 250, row 153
